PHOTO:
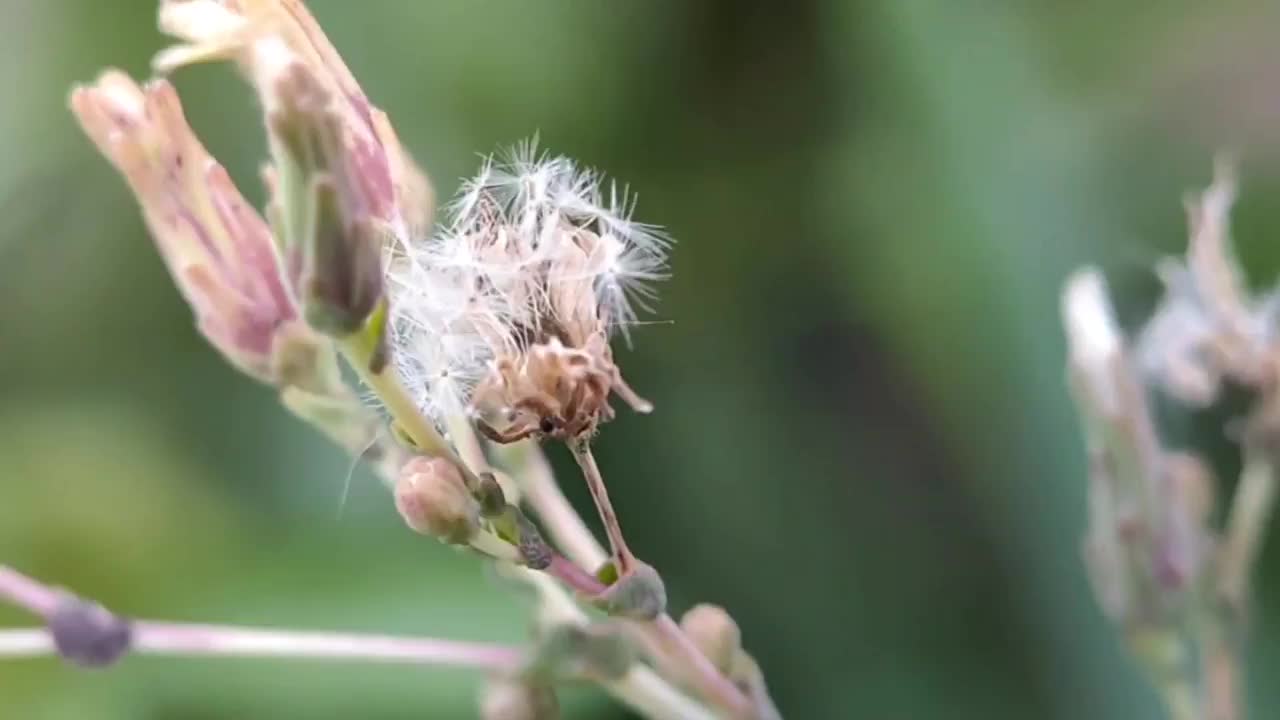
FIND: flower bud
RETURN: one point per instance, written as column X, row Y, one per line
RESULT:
column 433, row 500
column 715, row 633
column 571, row 652
column 507, row 699
column 87, row 634
column 341, row 185
column 639, row 595
column 1146, row 540
column 217, row 248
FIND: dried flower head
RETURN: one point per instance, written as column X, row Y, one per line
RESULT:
column 1209, row 326
column 506, row 312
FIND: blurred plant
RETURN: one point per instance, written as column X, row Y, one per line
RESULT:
column 498, row 322
column 1172, row 582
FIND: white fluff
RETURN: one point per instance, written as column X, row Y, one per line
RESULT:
column 501, row 264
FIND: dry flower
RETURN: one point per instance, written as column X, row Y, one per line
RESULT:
column 1177, row 586
column 506, row 312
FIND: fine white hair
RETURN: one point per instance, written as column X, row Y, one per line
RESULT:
column 494, row 275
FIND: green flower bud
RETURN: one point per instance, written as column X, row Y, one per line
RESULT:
column 638, row 595
column 571, row 652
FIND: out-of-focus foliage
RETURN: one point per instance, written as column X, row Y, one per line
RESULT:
column 862, row 447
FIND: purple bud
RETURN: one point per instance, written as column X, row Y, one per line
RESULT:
column 87, row 634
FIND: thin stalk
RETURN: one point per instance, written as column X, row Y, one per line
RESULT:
column 663, row 636
column 19, row 644
column 1223, row 675
column 559, row 519
column 581, row 581
column 27, row 593
column 468, row 443
column 1169, row 659
column 1251, row 510
column 574, row 577
column 151, row 637
column 1182, row 704
column 358, row 349
column 581, row 449
column 359, row 352
column 641, row 688
column 675, row 648
column 188, row 640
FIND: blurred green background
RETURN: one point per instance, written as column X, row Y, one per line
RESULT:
column 863, row 446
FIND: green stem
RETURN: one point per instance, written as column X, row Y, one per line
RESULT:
column 1251, row 510
column 1221, row 670
column 359, row 349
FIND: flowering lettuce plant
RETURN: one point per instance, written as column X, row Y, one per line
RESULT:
column 476, row 337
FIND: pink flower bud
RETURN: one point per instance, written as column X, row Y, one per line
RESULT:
column 277, row 41
column 433, row 500
column 216, row 246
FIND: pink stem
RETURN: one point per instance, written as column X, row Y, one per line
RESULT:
column 581, row 581
column 27, row 593
column 674, row 645
column 188, row 639
column 164, row 638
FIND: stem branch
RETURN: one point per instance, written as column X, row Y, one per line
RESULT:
column 581, row 449
column 183, row 639
column 663, row 636
column 359, row 353
column 640, row 688
column 1246, row 525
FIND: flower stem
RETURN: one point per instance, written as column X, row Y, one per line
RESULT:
column 638, row 687
column 581, row 581
column 183, row 639
column 26, row 643
column 642, row 689
column 664, row 637
column 560, row 520
column 27, row 593
column 1223, row 674
column 180, row 639
column 360, row 350
column 672, row 645
column 581, row 449
column 1251, row 508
